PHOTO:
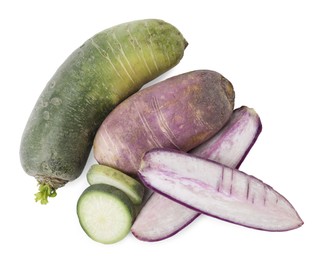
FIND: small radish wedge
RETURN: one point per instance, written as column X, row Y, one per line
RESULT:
column 105, row 213
column 217, row 190
column 161, row 217
column 107, row 175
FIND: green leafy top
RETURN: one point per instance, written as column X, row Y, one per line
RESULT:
column 45, row 191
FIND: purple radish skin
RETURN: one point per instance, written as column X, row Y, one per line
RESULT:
column 161, row 217
column 156, row 117
column 217, row 190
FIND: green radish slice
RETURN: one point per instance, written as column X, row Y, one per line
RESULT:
column 105, row 213
column 107, row 175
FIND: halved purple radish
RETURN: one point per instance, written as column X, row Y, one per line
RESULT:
column 217, row 190
column 161, row 217
column 231, row 145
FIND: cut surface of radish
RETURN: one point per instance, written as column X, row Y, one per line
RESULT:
column 217, row 190
column 161, row 217
column 105, row 213
column 107, row 175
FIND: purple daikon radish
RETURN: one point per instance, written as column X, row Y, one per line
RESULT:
column 217, row 190
column 161, row 217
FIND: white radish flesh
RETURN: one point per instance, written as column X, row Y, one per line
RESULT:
column 217, row 190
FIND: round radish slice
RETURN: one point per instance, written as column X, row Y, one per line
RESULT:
column 105, row 213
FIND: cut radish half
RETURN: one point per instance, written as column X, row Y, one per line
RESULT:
column 217, row 190
column 161, row 217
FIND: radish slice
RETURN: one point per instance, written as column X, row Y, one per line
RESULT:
column 161, row 217
column 217, row 190
column 107, row 175
column 105, row 213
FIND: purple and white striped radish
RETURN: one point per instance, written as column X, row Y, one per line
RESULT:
column 161, row 217
column 217, row 190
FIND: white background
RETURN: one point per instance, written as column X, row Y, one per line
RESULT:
column 272, row 52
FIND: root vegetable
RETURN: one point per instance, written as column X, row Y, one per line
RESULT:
column 180, row 112
column 97, row 76
column 161, row 217
column 217, row 190
column 105, row 213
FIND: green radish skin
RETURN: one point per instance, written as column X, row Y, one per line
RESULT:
column 107, row 175
column 97, row 76
column 105, row 213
